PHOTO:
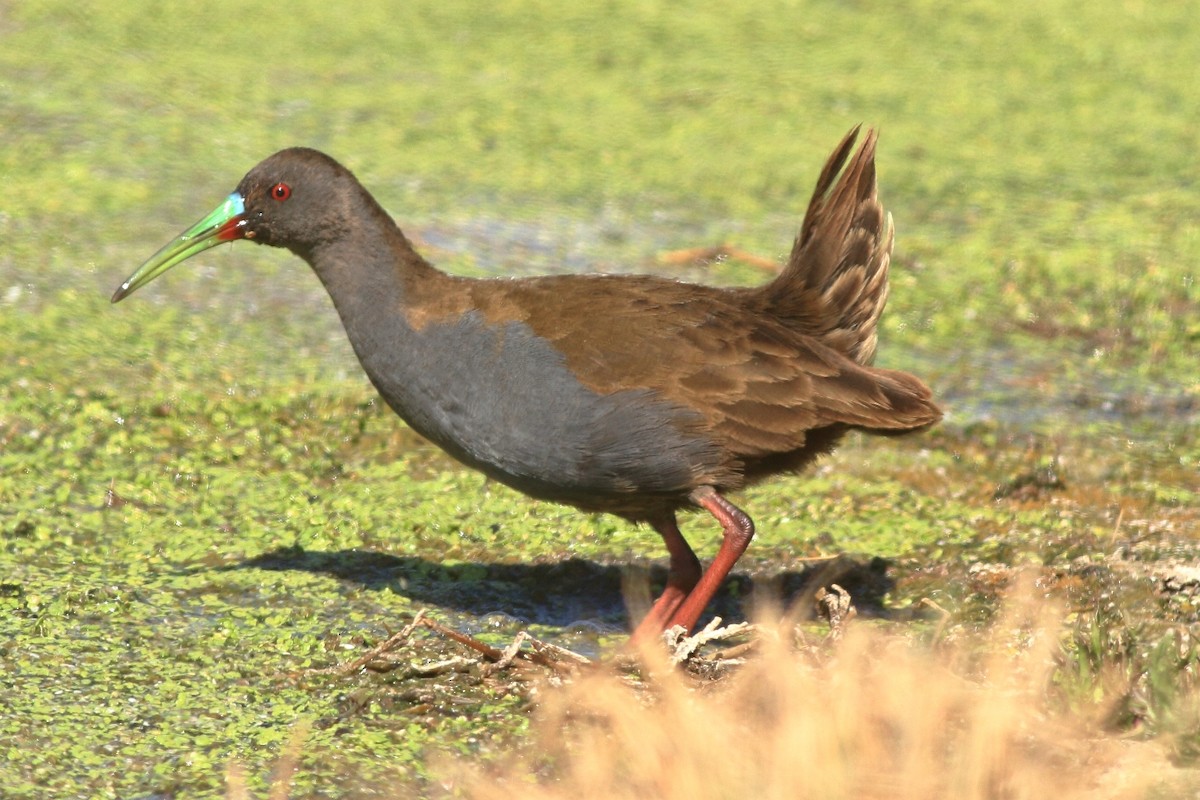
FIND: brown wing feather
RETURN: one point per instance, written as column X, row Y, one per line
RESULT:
column 760, row 385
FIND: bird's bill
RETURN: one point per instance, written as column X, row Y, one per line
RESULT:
column 225, row 223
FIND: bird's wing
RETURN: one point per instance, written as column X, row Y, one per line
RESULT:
column 760, row 385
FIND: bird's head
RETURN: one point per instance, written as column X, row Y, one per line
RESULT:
column 297, row 198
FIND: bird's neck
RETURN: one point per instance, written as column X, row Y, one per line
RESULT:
column 380, row 286
column 386, row 295
column 370, row 268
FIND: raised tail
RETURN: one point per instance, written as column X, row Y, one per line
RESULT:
column 835, row 283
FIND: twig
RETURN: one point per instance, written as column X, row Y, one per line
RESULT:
column 501, row 658
column 943, row 619
column 684, row 646
column 510, row 653
column 484, row 649
column 452, row 664
column 388, row 644
column 837, row 609
column 737, row 651
column 560, row 653
column 1117, row 525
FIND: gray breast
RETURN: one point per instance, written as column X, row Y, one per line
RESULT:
column 501, row 399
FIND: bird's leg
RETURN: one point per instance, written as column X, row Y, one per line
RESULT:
column 739, row 530
column 683, row 573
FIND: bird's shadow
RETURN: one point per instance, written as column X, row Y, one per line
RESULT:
column 573, row 591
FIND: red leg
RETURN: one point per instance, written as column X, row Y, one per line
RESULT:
column 682, row 575
column 739, row 530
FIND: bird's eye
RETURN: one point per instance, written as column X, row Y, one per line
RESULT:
column 281, row 191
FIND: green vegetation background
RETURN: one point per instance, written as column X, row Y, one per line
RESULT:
column 1039, row 158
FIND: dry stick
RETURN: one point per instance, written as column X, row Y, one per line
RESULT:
column 500, row 658
column 686, row 646
column 497, row 656
column 452, row 664
column 1117, row 527
column 510, row 653
column 837, row 603
column 737, row 651
column 376, row 651
column 560, row 653
column 943, row 618
column 486, row 650
column 837, row 606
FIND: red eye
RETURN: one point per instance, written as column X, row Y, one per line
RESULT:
column 281, row 191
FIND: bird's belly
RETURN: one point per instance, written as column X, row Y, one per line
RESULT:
column 502, row 400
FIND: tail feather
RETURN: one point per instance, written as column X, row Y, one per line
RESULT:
column 835, row 284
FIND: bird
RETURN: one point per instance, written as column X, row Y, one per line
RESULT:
column 639, row 396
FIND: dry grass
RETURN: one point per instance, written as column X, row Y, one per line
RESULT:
column 863, row 713
column 877, row 716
